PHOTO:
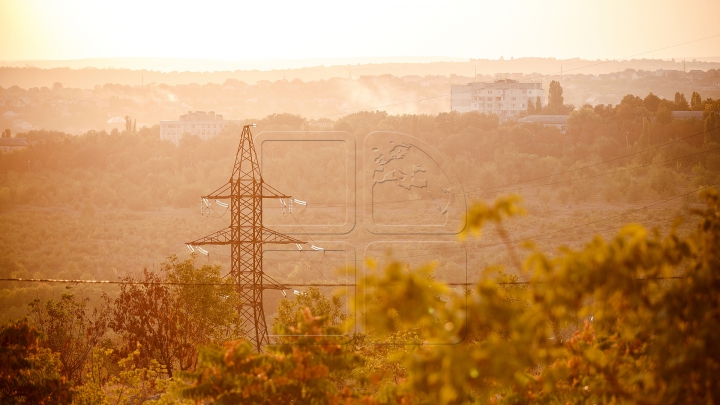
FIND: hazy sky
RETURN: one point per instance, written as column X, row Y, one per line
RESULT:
column 260, row 30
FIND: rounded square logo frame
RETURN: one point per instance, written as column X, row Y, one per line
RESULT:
column 324, row 163
column 409, row 187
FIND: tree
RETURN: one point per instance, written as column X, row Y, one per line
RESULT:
column 530, row 107
column 555, row 97
column 128, row 124
column 681, row 103
column 645, row 134
column 70, row 330
column 711, row 128
column 663, row 115
column 29, row 374
column 583, row 120
column 170, row 320
column 538, row 105
column 696, row 103
column 6, row 133
column 651, row 102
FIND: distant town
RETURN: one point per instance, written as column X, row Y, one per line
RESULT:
column 104, row 106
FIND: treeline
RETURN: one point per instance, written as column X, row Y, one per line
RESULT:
column 96, row 186
column 627, row 320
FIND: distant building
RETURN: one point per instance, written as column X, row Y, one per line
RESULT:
column 506, row 98
column 557, row 121
column 199, row 123
column 11, row 144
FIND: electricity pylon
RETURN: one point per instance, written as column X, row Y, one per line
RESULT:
column 246, row 237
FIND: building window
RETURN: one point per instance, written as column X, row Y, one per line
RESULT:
column 513, row 99
column 489, row 91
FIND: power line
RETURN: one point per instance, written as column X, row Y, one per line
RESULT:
column 441, row 251
column 310, row 284
column 345, row 284
column 539, row 237
column 50, row 280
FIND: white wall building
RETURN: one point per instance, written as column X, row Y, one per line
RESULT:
column 199, row 123
column 506, row 98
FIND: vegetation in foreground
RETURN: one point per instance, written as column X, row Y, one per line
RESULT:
column 632, row 319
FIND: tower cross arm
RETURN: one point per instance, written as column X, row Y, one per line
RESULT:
column 225, row 192
column 269, row 191
column 270, row 236
column 221, row 237
column 224, row 237
column 270, row 283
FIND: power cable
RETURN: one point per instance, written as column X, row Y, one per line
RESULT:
column 50, row 280
column 560, row 237
column 539, row 236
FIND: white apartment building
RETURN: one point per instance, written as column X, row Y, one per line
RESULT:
column 506, row 98
column 199, row 123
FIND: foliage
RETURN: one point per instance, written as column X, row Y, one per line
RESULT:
column 69, row 330
column 643, row 329
column 29, row 374
column 555, row 104
column 555, row 97
column 170, row 320
column 645, row 134
column 550, row 354
column 696, row 103
column 712, row 128
column 583, row 120
column 319, row 305
column 300, row 371
column 681, row 103
column 125, row 382
column 615, row 321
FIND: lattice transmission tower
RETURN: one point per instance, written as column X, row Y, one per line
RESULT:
column 246, row 237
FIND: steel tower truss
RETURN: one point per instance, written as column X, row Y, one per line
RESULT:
column 246, row 237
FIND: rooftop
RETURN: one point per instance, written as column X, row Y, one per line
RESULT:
column 13, row 142
column 546, row 119
column 687, row 114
